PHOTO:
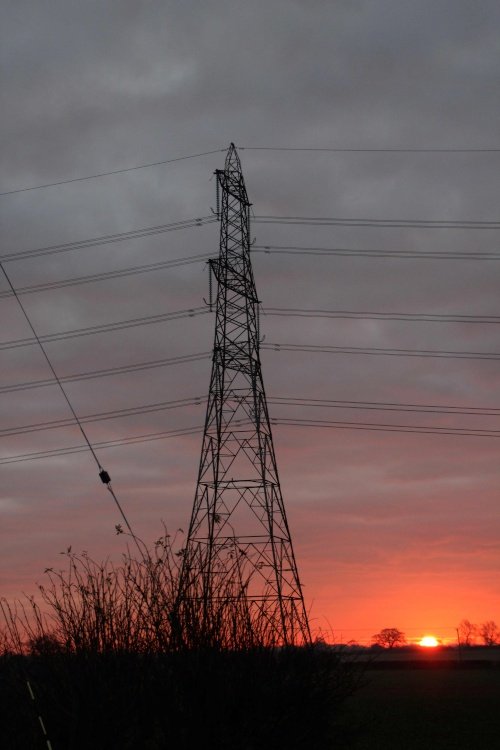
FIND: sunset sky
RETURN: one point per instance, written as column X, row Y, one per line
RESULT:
column 391, row 528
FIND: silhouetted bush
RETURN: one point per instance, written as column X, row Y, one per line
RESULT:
column 118, row 659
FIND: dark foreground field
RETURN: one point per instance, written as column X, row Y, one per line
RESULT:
column 284, row 699
column 415, row 708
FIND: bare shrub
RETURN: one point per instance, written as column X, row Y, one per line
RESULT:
column 125, row 655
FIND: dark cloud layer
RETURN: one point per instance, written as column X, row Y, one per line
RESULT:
column 382, row 522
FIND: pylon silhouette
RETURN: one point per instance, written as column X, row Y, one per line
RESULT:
column 238, row 545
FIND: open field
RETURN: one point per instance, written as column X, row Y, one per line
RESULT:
column 251, row 701
column 436, row 708
column 281, row 699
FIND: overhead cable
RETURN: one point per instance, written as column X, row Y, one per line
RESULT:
column 108, row 239
column 376, row 351
column 106, row 327
column 203, row 220
column 328, row 221
column 104, row 276
column 115, row 171
column 403, row 150
column 384, row 427
column 150, row 437
column 387, row 406
column 276, row 400
column 364, row 315
column 107, row 372
column 193, row 312
column 103, row 474
column 294, row 312
column 101, row 416
column 397, row 150
column 370, row 254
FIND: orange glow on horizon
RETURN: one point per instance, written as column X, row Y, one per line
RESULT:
column 429, row 641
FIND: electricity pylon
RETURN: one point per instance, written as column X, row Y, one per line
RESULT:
column 239, row 546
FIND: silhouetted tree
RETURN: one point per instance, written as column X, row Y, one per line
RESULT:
column 389, row 637
column 490, row 633
column 467, row 633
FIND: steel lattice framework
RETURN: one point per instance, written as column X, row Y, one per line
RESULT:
column 238, row 539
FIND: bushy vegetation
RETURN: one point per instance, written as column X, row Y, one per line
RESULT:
column 117, row 659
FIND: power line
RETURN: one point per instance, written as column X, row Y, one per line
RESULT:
column 130, row 271
column 459, row 150
column 381, row 223
column 51, row 367
column 277, row 400
column 102, row 445
column 364, row 315
column 203, row 220
column 383, row 427
column 108, row 239
column 103, row 474
column 106, row 327
column 150, row 437
column 102, row 416
column 402, row 150
column 267, row 249
column 293, row 312
column 193, row 312
column 388, row 406
column 107, row 372
column 115, row 171
column 382, row 352
column 370, row 254
column 176, row 262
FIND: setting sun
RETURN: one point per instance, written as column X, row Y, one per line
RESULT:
column 428, row 641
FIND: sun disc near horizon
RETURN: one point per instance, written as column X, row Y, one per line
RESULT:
column 429, row 641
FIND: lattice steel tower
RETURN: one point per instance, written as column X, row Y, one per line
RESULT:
column 238, row 539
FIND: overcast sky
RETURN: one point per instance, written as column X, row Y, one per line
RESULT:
column 390, row 529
